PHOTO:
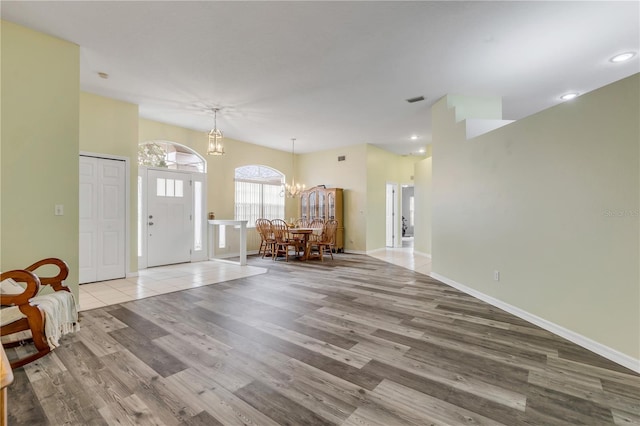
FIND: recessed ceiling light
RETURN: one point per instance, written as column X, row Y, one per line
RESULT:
column 414, row 137
column 623, row 57
column 421, row 150
column 569, row 96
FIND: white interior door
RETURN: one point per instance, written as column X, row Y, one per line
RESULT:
column 102, row 219
column 390, row 215
column 169, row 218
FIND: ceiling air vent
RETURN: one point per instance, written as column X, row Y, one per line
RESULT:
column 416, row 99
column 342, row 158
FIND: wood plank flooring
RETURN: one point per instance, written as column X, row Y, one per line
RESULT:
column 354, row 341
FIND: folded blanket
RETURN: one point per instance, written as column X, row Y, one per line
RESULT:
column 61, row 315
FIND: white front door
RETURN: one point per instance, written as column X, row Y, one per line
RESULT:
column 169, row 218
column 102, row 219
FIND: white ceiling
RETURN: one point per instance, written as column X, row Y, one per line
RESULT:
column 335, row 74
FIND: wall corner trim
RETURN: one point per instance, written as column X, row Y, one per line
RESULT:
column 587, row 343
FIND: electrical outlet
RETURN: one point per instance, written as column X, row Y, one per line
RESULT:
column 59, row 210
column 496, row 275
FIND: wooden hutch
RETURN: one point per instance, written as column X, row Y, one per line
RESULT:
column 325, row 203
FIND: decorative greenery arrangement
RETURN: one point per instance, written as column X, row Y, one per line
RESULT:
column 152, row 154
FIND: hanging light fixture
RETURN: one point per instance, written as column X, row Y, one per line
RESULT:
column 215, row 137
column 293, row 189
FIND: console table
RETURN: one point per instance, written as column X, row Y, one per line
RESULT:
column 242, row 224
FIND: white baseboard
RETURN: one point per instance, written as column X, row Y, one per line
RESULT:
column 369, row 252
column 587, row 343
column 419, row 253
column 355, row 251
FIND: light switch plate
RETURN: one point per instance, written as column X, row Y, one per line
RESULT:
column 59, row 210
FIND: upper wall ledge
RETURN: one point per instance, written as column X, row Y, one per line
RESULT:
column 479, row 126
column 480, row 114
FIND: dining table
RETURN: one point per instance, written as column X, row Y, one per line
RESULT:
column 304, row 234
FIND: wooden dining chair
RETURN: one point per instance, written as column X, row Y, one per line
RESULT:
column 328, row 239
column 263, row 226
column 282, row 239
column 318, row 228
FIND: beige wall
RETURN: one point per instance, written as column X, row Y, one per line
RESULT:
column 551, row 201
column 423, row 189
column 323, row 168
column 39, row 144
column 108, row 126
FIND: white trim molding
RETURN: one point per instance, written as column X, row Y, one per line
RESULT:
column 419, row 253
column 357, row 251
column 587, row 343
column 368, row 252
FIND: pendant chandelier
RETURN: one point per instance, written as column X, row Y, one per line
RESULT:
column 293, row 189
column 215, row 137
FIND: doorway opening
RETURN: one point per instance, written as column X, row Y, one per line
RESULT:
column 408, row 215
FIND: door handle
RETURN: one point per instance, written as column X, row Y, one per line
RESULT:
column 150, row 223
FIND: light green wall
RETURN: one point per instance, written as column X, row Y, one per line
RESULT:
column 551, row 201
column 108, row 126
column 422, row 218
column 39, row 144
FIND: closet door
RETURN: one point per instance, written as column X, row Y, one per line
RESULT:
column 102, row 219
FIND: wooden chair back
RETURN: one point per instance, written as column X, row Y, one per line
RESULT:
column 263, row 226
column 329, row 232
column 318, row 229
column 280, row 230
column 302, row 222
column 31, row 317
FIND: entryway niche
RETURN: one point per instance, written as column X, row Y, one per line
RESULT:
column 172, row 225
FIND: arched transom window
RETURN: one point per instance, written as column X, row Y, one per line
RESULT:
column 170, row 155
column 258, row 193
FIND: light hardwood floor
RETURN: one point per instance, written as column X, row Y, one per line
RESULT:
column 354, row 341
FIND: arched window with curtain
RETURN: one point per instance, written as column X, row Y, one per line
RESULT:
column 258, row 193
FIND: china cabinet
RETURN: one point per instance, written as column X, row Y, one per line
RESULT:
column 324, row 203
